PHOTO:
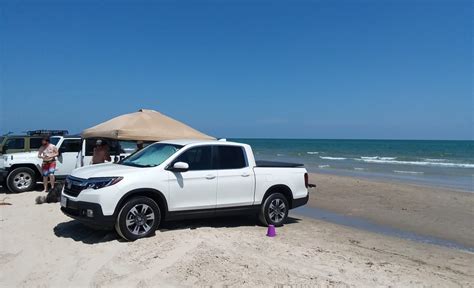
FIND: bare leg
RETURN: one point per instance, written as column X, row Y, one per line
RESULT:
column 45, row 183
column 52, row 179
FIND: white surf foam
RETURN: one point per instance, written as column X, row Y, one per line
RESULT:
column 434, row 160
column 420, row 163
column 377, row 158
column 323, row 166
column 332, row 158
column 407, row 172
column 312, row 152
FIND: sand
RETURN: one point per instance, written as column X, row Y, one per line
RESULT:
column 437, row 212
column 41, row 247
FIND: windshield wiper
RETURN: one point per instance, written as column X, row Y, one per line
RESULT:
column 137, row 165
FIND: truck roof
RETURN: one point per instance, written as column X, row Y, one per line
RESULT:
column 185, row 142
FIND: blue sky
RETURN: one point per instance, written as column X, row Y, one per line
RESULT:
column 283, row 69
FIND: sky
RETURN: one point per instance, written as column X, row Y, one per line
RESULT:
column 261, row 69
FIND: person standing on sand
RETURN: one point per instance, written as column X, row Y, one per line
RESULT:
column 101, row 153
column 48, row 153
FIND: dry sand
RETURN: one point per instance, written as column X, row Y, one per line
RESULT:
column 41, row 247
column 438, row 212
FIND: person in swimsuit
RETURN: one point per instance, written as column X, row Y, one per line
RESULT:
column 48, row 153
column 101, row 153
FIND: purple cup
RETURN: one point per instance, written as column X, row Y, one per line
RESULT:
column 271, row 232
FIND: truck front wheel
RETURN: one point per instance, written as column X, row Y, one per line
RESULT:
column 274, row 210
column 138, row 218
column 21, row 179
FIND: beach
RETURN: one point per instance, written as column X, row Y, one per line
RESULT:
column 41, row 247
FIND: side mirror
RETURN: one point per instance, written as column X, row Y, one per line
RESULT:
column 180, row 167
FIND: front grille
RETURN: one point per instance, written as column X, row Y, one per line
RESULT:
column 73, row 186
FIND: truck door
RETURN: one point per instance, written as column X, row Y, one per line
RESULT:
column 197, row 187
column 68, row 153
column 235, row 179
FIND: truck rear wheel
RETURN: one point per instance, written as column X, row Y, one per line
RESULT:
column 138, row 218
column 274, row 210
column 21, row 180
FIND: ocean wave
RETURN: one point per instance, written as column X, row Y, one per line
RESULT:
column 376, row 158
column 421, row 163
column 434, row 160
column 408, row 172
column 323, row 166
column 332, row 158
column 312, row 153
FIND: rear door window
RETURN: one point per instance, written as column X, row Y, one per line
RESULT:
column 230, row 157
column 35, row 143
column 71, row 145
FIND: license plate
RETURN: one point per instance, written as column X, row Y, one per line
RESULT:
column 63, row 201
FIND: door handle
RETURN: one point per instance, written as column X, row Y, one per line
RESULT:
column 245, row 174
column 210, row 177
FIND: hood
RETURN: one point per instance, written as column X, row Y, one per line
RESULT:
column 20, row 158
column 104, row 170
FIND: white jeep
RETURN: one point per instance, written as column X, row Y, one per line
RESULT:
column 22, row 170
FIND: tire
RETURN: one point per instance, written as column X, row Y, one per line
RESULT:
column 138, row 218
column 21, row 180
column 274, row 210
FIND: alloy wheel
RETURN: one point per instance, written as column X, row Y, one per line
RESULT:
column 277, row 210
column 140, row 219
column 22, row 180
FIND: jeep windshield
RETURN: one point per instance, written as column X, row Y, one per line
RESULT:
column 151, row 156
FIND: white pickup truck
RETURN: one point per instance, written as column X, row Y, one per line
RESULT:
column 182, row 179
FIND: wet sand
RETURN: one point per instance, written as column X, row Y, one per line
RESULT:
column 438, row 212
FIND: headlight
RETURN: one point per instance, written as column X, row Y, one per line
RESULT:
column 101, row 182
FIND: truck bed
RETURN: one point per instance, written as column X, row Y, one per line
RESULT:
column 275, row 164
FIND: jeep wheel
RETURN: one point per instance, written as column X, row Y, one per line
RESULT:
column 138, row 218
column 274, row 210
column 21, row 179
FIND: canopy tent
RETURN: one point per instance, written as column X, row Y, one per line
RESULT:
column 144, row 125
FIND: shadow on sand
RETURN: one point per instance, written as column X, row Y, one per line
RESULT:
column 78, row 232
column 4, row 189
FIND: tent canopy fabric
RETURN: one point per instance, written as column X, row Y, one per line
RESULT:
column 145, row 125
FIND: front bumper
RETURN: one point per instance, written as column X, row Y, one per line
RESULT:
column 78, row 210
column 300, row 201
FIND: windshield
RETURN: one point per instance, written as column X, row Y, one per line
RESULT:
column 151, row 156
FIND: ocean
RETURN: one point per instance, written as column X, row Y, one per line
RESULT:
column 447, row 164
